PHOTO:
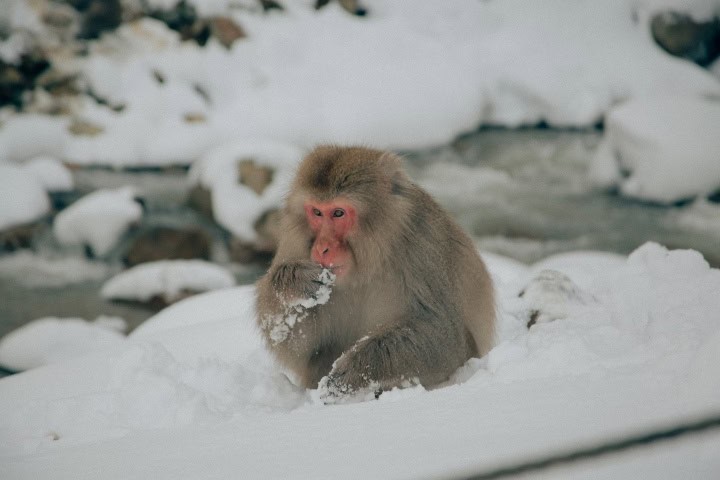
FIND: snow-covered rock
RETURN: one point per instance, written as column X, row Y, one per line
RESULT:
column 304, row 77
column 98, row 219
column 37, row 271
column 22, row 197
column 668, row 147
column 52, row 174
column 236, row 206
column 51, row 340
column 167, row 279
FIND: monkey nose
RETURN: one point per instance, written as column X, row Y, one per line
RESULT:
column 323, row 253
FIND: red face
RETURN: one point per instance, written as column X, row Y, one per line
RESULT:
column 331, row 222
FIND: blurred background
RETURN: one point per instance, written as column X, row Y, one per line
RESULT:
column 145, row 145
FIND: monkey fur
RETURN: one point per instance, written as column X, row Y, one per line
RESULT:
column 412, row 300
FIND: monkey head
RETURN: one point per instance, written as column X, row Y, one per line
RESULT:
column 341, row 195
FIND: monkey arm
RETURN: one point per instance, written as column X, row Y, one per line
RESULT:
column 418, row 350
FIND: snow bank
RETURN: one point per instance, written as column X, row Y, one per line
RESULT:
column 411, row 74
column 51, row 340
column 168, row 279
column 22, row 197
column 661, row 149
column 52, row 174
column 236, row 206
column 98, row 219
column 193, row 394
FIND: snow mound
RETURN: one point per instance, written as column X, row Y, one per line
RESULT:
column 237, row 206
column 551, row 295
column 51, row 340
column 22, row 197
column 98, row 219
column 168, row 279
column 201, row 365
column 52, row 174
column 33, row 270
column 668, row 146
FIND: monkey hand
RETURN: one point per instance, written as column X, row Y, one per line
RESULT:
column 347, row 382
column 303, row 282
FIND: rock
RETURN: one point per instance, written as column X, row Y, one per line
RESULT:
column 678, row 34
column 183, row 18
column 84, row 128
column 165, row 243
column 99, row 16
column 268, row 230
column 18, row 237
column 63, row 20
column 351, row 6
column 254, row 176
column 194, row 117
column 241, row 251
column 264, row 247
column 200, row 199
column 268, row 5
column 226, row 30
column 18, row 77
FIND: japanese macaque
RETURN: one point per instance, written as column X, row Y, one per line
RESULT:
column 373, row 285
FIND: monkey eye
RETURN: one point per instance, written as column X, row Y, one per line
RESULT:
column 317, row 212
column 338, row 212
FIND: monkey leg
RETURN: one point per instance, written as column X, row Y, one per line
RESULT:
column 423, row 351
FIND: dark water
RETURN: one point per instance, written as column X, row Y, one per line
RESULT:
column 525, row 194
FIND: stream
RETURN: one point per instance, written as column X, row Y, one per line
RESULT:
column 521, row 193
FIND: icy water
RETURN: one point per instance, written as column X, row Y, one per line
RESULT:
column 524, row 194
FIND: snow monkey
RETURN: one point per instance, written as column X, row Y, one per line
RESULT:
column 373, row 285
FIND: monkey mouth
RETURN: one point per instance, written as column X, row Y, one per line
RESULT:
column 339, row 270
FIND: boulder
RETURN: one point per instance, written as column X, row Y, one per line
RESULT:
column 257, row 177
column 680, row 35
column 166, row 243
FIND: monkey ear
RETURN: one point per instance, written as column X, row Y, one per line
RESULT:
column 393, row 166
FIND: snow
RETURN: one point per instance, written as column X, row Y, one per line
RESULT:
column 36, row 270
column 194, row 394
column 22, row 197
column 25, row 136
column 168, row 279
column 98, row 219
column 304, row 77
column 52, row 174
column 668, row 146
column 51, row 340
column 236, row 206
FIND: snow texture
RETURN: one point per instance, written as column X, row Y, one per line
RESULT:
column 168, row 279
column 661, row 149
column 194, row 394
column 236, row 206
column 98, row 219
column 22, row 197
column 51, row 340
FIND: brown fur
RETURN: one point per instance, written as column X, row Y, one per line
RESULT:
column 418, row 302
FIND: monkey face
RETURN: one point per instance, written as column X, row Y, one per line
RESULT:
column 331, row 222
